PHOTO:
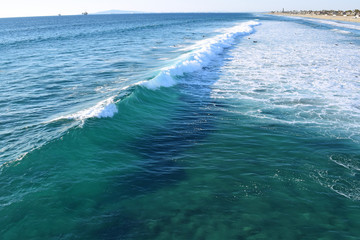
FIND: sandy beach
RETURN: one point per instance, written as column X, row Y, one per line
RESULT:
column 338, row 18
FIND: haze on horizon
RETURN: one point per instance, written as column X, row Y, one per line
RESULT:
column 25, row 8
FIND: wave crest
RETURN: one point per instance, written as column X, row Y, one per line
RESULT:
column 103, row 109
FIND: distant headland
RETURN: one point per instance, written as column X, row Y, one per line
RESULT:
column 340, row 15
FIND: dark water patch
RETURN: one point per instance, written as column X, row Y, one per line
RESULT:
column 105, row 74
column 161, row 150
column 190, row 122
column 260, row 90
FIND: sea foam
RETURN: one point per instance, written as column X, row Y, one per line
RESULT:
column 207, row 50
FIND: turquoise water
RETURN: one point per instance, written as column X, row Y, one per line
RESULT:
column 179, row 126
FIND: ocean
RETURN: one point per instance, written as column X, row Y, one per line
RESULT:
column 179, row 126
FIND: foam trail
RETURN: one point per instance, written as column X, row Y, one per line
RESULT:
column 196, row 60
column 337, row 24
column 103, row 109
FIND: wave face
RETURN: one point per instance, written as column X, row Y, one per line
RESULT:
column 162, row 126
column 75, row 67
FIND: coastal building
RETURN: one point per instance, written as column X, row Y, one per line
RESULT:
column 354, row 13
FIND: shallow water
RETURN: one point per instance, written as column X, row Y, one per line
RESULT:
column 179, row 126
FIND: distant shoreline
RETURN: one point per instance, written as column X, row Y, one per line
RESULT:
column 326, row 17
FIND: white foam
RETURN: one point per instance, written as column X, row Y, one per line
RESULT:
column 306, row 77
column 194, row 61
column 340, row 31
column 103, row 109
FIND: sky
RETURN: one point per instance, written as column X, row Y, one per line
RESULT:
column 25, row 8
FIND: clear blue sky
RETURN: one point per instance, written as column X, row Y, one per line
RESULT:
column 18, row 8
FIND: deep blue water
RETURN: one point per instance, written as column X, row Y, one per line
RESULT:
column 179, row 126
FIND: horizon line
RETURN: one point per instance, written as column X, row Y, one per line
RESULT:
column 126, row 12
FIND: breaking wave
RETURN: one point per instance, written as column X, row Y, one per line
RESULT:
column 194, row 61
